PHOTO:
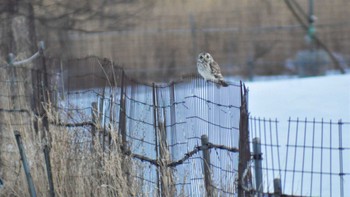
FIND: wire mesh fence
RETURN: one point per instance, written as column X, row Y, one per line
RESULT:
column 184, row 111
column 112, row 135
column 101, row 122
column 306, row 155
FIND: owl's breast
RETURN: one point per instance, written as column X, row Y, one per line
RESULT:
column 205, row 71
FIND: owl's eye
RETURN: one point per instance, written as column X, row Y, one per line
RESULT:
column 200, row 57
column 207, row 56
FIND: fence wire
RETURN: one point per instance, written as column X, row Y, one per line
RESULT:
column 307, row 155
column 92, row 110
column 97, row 113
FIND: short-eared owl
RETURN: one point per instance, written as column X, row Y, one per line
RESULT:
column 209, row 69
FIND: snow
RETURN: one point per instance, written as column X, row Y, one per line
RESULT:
column 324, row 97
column 314, row 97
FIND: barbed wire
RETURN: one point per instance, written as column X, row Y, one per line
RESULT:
column 211, row 102
column 211, row 123
column 15, row 110
column 232, row 171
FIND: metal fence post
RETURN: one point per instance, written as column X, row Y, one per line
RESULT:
column 341, row 148
column 94, row 117
column 25, row 164
column 206, row 166
column 94, row 114
column 277, row 187
column 122, row 116
column 258, row 165
column 48, row 170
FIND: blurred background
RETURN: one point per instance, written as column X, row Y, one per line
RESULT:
column 159, row 40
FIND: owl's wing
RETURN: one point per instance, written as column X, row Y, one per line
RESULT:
column 215, row 69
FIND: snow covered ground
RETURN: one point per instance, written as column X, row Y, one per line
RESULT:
column 326, row 97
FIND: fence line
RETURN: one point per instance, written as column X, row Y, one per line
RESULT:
column 313, row 155
column 157, row 129
column 117, row 113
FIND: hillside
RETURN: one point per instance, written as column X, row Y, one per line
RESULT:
column 246, row 38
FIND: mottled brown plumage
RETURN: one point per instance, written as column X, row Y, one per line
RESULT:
column 209, row 69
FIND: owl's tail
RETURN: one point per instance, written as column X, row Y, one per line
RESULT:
column 223, row 83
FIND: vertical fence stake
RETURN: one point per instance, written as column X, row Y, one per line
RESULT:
column 102, row 134
column 244, row 148
column 25, row 164
column 122, row 118
column 206, row 166
column 341, row 172
column 111, row 120
column 155, row 112
column 48, row 170
column 122, row 130
column 258, row 166
column 277, row 187
column 94, row 114
column 45, row 98
column 167, row 180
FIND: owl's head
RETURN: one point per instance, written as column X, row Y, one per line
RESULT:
column 205, row 57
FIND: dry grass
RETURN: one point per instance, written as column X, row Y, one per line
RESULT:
column 84, row 170
column 80, row 165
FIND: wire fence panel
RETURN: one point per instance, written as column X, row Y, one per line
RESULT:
column 107, row 131
column 185, row 110
column 307, row 155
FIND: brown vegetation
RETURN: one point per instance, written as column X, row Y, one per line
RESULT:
column 80, row 166
column 245, row 37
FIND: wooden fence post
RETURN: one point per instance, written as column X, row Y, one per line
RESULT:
column 258, row 166
column 122, row 130
column 166, row 176
column 122, row 117
column 155, row 113
column 206, row 166
column 244, row 148
column 111, row 121
column 25, row 164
